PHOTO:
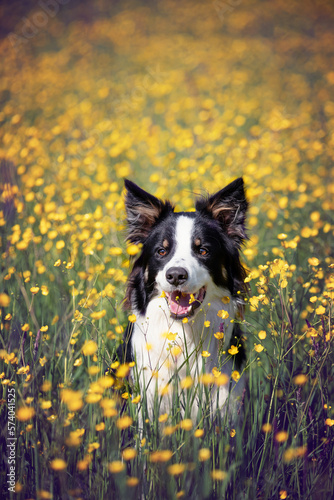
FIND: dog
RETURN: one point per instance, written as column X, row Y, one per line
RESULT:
column 185, row 290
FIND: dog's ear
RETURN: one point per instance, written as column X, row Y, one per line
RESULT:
column 143, row 210
column 228, row 207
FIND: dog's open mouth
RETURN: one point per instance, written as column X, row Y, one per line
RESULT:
column 183, row 305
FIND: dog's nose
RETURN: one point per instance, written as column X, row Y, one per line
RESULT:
column 176, row 275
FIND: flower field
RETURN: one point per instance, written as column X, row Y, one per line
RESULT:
column 181, row 98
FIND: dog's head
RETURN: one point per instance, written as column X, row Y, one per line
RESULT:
column 185, row 254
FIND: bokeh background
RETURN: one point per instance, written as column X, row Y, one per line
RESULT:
column 181, row 97
column 178, row 96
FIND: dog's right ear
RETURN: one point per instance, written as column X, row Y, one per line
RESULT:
column 142, row 210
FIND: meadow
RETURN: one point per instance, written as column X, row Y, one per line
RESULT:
column 182, row 98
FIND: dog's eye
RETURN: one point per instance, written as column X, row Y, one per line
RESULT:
column 162, row 252
column 203, row 251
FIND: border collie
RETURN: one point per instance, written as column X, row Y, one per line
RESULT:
column 185, row 287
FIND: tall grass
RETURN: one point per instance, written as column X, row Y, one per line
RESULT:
column 83, row 428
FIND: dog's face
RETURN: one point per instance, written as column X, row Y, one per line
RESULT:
column 185, row 255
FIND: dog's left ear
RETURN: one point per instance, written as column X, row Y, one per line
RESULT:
column 228, row 207
column 143, row 210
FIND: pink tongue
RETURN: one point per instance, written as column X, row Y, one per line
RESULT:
column 180, row 305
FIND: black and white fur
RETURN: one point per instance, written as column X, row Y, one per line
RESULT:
column 184, row 253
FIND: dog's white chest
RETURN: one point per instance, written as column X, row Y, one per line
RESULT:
column 164, row 347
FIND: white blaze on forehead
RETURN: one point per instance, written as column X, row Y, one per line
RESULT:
column 183, row 240
column 183, row 257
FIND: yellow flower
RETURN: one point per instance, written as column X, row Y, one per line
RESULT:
column 223, row 314
column 44, row 495
column 207, row 379
column 93, row 398
column 74, row 439
column 4, row 300
column 169, row 430
column 45, row 405
column 199, row 433
column 25, row 413
column 34, row 289
column 89, row 348
column 226, row 300
column 129, row 453
column 163, row 417
column 233, row 350
column 266, row 428
column 313, row 261
column 176, row 469
column 186, row 424
column 133, row 249
column 132, row 482
column 170, row 336
column 46, row 386
column 132, row 318
column 93, row 370
column 262, row 335
column 235, row 375
column 258, row 347
column 60, row 244
column 206, row 324
column 163, row 391
column 300, row 379
column 116, row 467
column 106, row 381
column 281, row 436
column 293, row 453
column 161, row 456
column 222, row 379
column 58, row 464
column 320, row 310
column 187, row 382
column 23, row 370
column 98, row 314
column 124, row 422
column 73, row 399
column 205, row 354
column 232, row 433
column 92, row 447
column 219, row 335
column 218, row 475
column 283, row 283
column 204, row 454
column 176, row 350
column 123, row 371
column 100, row 427
column 115, row 251
column 42, row 361
column 83, row 464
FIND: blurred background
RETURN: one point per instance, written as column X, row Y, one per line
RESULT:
column 180, row 97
